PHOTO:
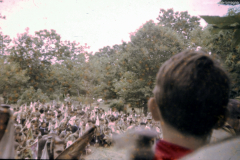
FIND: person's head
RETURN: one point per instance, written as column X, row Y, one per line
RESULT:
column 149, row 120
column 234, row 114
column 38, row 115
column 90, row 122
column 18, row 136
column 25, row 131
column 101, row 121
column 136, row 123
column 53, row 114
column 41, row 110
column 191, row 93
column 35, row 133
column 106, row 124
column 34, row 122
column 59, row 116
column 49, row 116
column 83, row 126
column 112, row 118
column 131, row 122
column 43, row 124
column 17, row 129
column 108, row 130
column 142, row 124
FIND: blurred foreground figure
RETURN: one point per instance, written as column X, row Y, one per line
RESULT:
column 50, row 147
column 190, row 100
column 222, row 150
column 7, row 135
column 232, row 126
column 226, row 146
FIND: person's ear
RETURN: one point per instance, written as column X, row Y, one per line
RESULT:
column 154, row 109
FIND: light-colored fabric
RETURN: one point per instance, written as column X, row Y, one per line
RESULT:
column 225, row 150
column 45, row 153
column 7, row 150
column 219, row 134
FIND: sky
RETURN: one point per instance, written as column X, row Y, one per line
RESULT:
column 97, row 23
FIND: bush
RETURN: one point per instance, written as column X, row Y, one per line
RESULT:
column 31, row 95
column 118, row 104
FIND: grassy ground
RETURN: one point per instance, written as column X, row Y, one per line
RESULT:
column 111, row 153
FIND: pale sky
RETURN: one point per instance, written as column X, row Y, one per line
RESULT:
column 96, row 22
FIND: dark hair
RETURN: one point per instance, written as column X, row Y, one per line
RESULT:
column 192, row 92
column 130, row 122
column 18, row 134
column 112, row 118
column 82, row 113
column 41, row 110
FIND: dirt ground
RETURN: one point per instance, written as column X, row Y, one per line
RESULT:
column 111, row 153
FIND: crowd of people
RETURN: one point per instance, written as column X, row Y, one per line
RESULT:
column 189, row 110
column 70, row 122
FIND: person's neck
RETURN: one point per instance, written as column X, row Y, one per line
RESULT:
column 171, row 135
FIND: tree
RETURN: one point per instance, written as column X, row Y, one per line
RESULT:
column 31, row 95
column 229, row 2
column 104, row 66
column 181, row 22
column 219, row 39
column 139, row 63
column 35, row 54
column 12, row 80
column 69, row 74
column 4, row 44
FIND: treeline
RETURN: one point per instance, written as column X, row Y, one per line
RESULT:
column 43, row 67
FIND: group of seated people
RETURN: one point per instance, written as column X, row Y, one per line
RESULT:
column 69, row 123
column 191, row 110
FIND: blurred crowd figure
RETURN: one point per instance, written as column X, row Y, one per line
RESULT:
column 66, row 122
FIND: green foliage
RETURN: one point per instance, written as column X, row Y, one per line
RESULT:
column 229, row 22
column 42, row 67
column 139, row 63
column 118, row 104
column 35, row 54
column 12, row 79
column 233, row 11
column 181, row 22
column 229, row 2
column 31, row 95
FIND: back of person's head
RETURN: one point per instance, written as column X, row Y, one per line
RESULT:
column 112, row 118
column 192, row 92
column 41, row 110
